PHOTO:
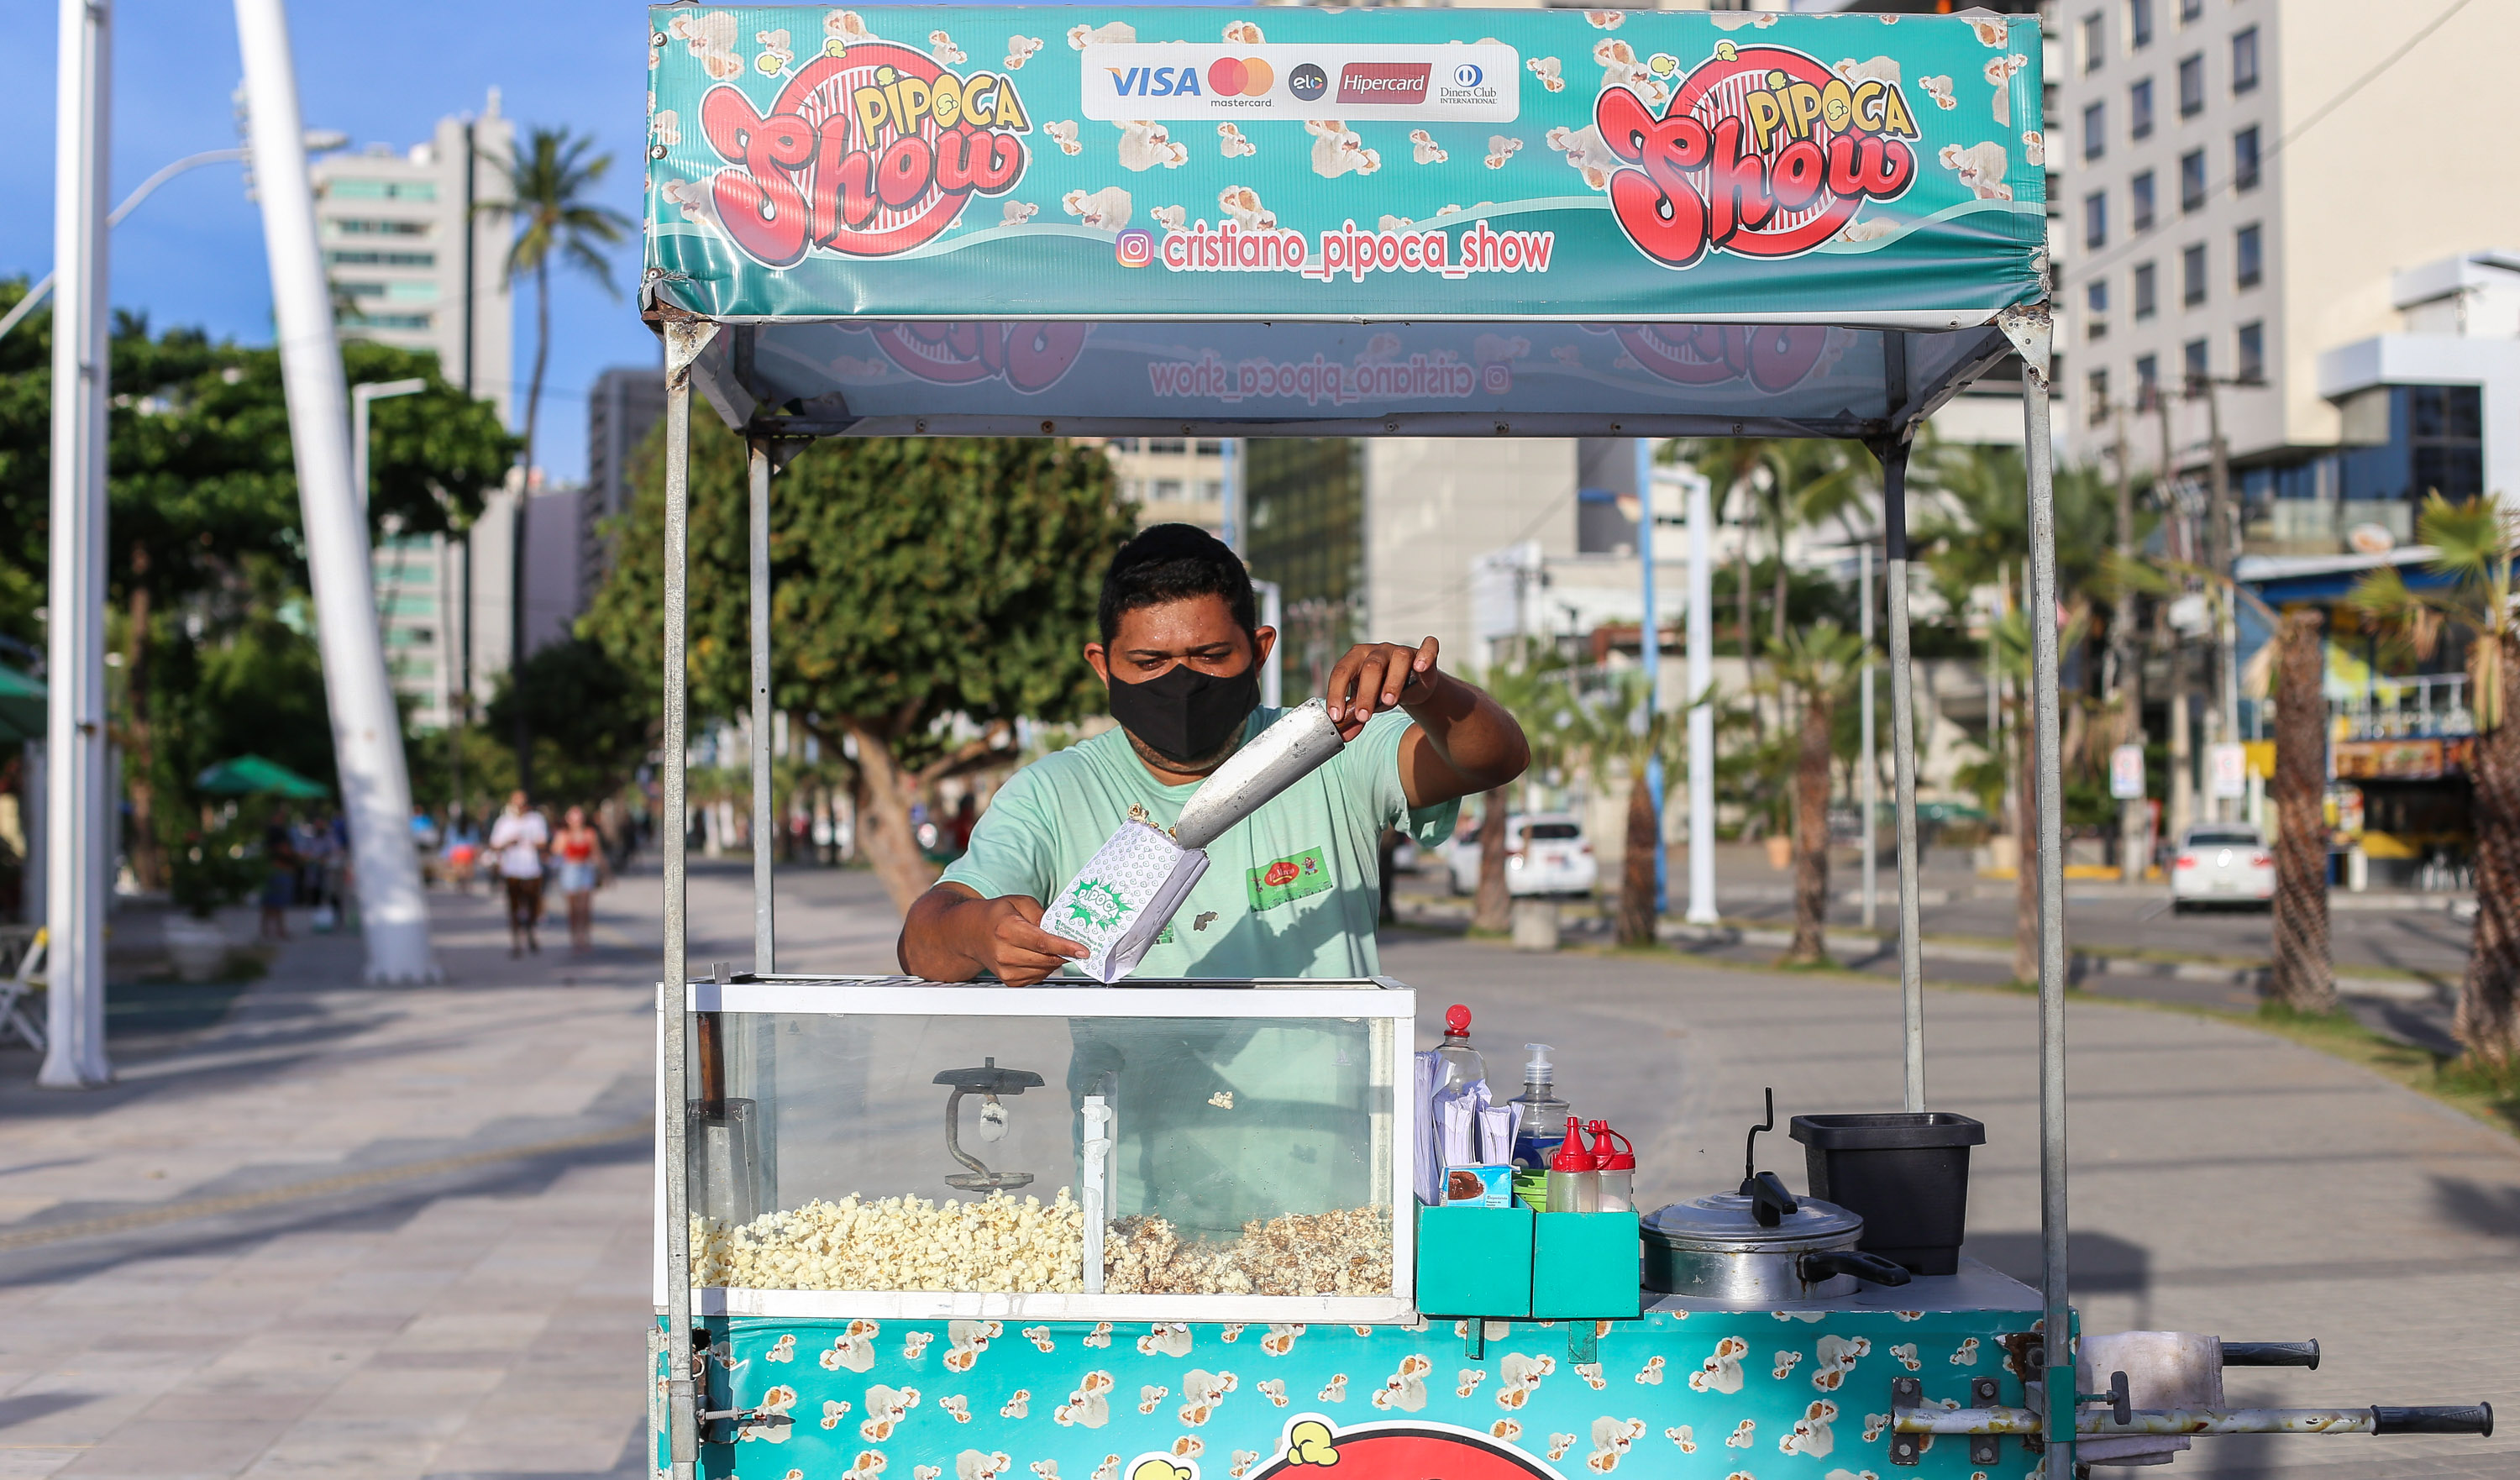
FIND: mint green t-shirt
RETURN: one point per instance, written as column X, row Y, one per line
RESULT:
column 1293, row 890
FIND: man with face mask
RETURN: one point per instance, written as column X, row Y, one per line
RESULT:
column 1293, row 890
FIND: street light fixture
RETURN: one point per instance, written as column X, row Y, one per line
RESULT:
column 318, row 141
column 363, row 395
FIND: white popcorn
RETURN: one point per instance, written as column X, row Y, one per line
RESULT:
column 1000, row 1244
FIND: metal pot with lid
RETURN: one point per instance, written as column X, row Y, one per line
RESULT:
column 1760, row 1245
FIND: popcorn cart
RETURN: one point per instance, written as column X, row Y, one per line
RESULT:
column 1170, row 1229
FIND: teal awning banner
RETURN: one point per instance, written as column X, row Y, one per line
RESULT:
column 1092, row 163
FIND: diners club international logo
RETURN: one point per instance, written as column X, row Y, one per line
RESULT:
column 1762, row 150
column 867, row 154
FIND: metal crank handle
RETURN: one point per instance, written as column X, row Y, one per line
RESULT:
column 1821, row 1264
column 2271, row 1354
column 2477, row 1420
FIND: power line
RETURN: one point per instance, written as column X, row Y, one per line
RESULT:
column 2317, row 115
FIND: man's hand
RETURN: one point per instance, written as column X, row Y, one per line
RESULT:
column 1377, row 676
column 952, row 934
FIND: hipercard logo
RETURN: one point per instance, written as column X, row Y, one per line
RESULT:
column 1386, row 84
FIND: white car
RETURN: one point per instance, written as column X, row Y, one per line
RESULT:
column 2222, row 863
column 1554, row 857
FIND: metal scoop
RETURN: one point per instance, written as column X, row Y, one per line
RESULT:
column 1278, row 757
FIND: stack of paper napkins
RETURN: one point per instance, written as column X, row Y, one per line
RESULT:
column 1121, row 900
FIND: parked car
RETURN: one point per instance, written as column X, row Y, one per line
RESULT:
column 2222, row 863
column 1554, row 857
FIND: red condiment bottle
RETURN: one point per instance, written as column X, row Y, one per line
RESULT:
column 1574, row 1186
column 1614, row 1169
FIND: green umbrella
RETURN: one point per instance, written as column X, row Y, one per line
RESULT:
column 22, row 707
column 252, row 776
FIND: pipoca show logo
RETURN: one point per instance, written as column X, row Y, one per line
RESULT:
column 1760, row 151
column 867, row 154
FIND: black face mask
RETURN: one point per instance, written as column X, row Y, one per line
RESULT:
column 1185, row 715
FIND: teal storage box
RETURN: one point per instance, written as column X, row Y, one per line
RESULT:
column 1585, row 1265
column 1475, row 1261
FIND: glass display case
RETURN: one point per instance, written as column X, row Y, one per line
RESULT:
column 1158, row 1150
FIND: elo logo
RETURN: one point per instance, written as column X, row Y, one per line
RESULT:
column 1467, row 74
column 1308, row 82
column 1134, row 247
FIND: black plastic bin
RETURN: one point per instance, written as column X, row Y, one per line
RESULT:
column 1905, row 1173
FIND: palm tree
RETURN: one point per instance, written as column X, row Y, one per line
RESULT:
column 2473, row 546
column 551, row 183
column 552, row 180
column 1616, row 731
column 1820, row 664
column 1533, row 690
column 2305, row 977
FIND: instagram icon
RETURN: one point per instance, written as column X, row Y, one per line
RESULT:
column 1134, row 247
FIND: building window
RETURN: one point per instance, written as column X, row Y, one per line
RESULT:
column 2245, row 60
column 351, row 226
column 381, row 190
column 342, row 259
column 2191, row 12
column 2096, row 130
column 411, row 321
column 2191, row 181
column 2140, row 202
column 2146, row 294
column 2199, row 358
column 2096, row 406
column 2095, row 309
column 2095, row 41
column 2191, row 86
column 2244, row 159
column 2249, row 256
column 2138, row 24
column 2147, row 380
column 2446, row 429
column 2139, row 108
column 2095, row 220
column 2252, row 359
column 2191, row 275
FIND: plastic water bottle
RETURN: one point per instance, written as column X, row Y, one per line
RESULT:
column 1462, row 1062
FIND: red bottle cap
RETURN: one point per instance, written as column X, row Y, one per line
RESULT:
column 1457, row 1021
column 1571, row 1156
column 1607, row 1158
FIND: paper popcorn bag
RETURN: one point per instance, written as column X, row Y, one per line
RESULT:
column 1123, row 897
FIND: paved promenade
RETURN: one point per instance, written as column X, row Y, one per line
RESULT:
column 350, row 1231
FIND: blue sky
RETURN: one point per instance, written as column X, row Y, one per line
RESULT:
column 380, row 70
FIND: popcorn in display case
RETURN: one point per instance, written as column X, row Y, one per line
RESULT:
column 1160, row 1151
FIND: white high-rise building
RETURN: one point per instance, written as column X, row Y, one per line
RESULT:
column 415, row 263
column 2240, row 183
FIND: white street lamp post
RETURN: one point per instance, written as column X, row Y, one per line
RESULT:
column 361, row 396
column 367, row 729
column 78, row 815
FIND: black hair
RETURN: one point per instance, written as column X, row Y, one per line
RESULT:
column 1171, row 563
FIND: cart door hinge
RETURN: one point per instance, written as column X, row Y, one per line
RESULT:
column 1905, row 1395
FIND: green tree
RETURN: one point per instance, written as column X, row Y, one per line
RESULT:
column 2473, row 549
column 203, row 493
column 1618, row 735
column 928, row 592
column 589, row 717
column 1533, row 689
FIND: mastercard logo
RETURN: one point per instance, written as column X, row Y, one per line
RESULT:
column 1239, row 77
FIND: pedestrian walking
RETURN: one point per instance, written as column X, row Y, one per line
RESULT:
column 581, row 873
column 280, row 860
column 517, row 839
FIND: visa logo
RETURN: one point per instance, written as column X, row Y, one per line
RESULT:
column 1156, row 81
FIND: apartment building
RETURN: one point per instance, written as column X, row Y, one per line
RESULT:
column 413, row 262
column 2241, row 184
column 1173, row 480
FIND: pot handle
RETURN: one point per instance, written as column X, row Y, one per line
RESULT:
column 1821, row 1264
column 1770, row 1202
